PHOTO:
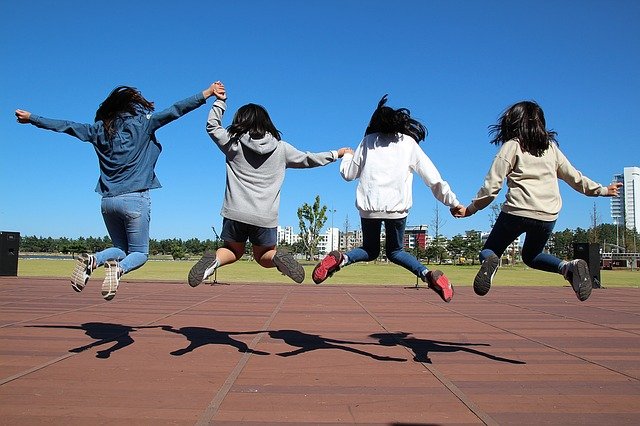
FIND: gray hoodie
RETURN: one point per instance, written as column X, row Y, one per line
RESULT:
column 255, row 171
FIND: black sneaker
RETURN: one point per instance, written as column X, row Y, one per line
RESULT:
column 484, row 277
column 203, row 269
column 289, row 266
column 577, row 273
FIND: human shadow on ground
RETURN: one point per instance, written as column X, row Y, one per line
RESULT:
column 103, row 333
column 310, row 342
column 200, row 336
column 422, row 347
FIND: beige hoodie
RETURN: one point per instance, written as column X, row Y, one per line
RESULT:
column 532, row 181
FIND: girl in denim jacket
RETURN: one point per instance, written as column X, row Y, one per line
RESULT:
column 123, row 136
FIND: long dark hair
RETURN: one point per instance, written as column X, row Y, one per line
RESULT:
column 253, row 119
column 122, row 99
column 388, row 120
column 525, row 122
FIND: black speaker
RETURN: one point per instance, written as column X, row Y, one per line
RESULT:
column 9, row 248
column 590, row 253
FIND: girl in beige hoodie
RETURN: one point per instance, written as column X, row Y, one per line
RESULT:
column 531, row 162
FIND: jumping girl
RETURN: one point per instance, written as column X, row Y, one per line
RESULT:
column 384, row 163
column 123, row 136
column 531, row 162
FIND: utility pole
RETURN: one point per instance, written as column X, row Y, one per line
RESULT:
column 331, row 232
column 594, row 224
column 346, row 234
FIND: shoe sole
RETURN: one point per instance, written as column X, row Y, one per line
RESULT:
column 111, row 280
column 337, row 259
column 581, row 281
column 434, row 284
column 484, row 277
column 79, row 277
column 287, row 265
column 196, row 274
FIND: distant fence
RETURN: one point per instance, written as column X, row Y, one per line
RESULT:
column 620, row 260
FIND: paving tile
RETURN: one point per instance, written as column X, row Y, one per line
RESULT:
column 164, row 353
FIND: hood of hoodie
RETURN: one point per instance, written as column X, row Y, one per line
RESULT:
column 265, row 145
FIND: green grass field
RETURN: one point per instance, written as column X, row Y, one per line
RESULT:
column 361, row 273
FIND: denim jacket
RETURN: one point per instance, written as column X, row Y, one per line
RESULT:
column 127, row 161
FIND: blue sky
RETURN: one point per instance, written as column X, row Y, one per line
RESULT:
column 319, row 67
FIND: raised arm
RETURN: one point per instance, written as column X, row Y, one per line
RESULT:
column 430, row 175
column 297, row 159
column 350, row 165
column 180, row 108
column 214, row 122
column 84, row 132
column 577, row 180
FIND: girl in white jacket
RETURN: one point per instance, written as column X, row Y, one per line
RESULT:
column 384, row 163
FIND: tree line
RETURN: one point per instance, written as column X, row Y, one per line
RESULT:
column 175, row 247
column 441, row 248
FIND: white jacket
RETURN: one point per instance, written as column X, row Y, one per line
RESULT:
column 384, row 165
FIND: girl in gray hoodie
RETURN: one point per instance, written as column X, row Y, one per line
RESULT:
column 256, row 159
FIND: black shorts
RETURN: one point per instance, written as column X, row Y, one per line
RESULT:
column 238, row 232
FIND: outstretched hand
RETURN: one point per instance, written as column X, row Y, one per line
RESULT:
column 23, row 116
column 613, row 190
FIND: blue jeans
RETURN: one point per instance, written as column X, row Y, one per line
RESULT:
column 370, row 249
column 127, row 218
column 508, row 227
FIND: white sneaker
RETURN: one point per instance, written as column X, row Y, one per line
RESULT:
column 82, row 271
column 111, row 279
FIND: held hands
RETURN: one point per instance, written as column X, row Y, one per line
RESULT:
column 23, row 116
column 217, row 90
column 343, row 151
column 460, row 211
column 613, row 189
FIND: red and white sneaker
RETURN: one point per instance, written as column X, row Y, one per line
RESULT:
column 327, row 266
column 438, row 282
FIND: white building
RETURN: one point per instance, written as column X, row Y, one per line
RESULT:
column 513, row 250
column 625, row 209
column 350, row 240
column 287, row 235
column 329, row 241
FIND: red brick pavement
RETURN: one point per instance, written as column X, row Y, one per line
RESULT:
column 164, row 353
